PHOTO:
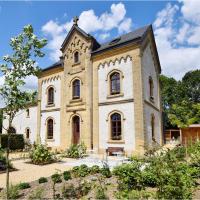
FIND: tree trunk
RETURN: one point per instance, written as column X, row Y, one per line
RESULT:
column 7, row 162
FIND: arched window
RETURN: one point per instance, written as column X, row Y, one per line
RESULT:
column 153, row 127
column 115, row 83
column 50, row 129
column 76, row 57
column 151, row 88
column 76, row 89
column 27, row 133
column 27, row 113
column 50, row 96
column 116, row 129
column 12, row 130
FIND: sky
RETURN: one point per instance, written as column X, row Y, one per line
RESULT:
column 176, row 27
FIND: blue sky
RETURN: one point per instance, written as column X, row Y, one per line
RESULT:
column 176, row 27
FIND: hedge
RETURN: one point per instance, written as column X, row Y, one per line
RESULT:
column 16, row 141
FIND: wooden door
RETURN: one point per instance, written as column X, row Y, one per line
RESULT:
column 76, row 130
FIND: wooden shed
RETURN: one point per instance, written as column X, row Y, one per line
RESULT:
column 190, row 134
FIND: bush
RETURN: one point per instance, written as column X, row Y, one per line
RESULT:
column 100, row 193
column 3, row 161
column 130, row 176
column 94, row 169
column 135, row 194
column 67, row 175
column 76, row 151
column 42, row 180
column 56, row 178
column 105, row 171
column 69, row 192
column 12, row 194
column 81, row 171
column 16, row 141
column 40, row 155
column 37, row 193
column 23, row 186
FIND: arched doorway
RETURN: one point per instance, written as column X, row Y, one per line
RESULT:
column 75, row 129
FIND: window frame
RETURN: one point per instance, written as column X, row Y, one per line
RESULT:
column 152, row 127
column 50, row 100
column 50, row 137
column 151, row 89
column 76, row 89
column 117, row 83
column 76, row 57
column 117, row 126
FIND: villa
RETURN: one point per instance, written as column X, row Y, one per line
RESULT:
column 105, row 95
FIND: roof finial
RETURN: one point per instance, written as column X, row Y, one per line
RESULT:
column 75, row 20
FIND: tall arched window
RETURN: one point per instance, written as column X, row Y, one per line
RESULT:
column 27, row 113
column 76, row 57
column 50, row 96
column 116, row 129
column 27, row 133
column 76, row 89
column 151, row 88
column 115, row 83
column 50, row 129
column 153, row 127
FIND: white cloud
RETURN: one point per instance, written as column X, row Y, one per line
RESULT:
column 176, row 37
column 104, row 36
column 90, row 23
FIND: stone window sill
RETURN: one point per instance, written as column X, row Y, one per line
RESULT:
column 76, row 64
column 50, row 140
column 50, row 105
column 116, row 141
column 115, row 95
column 76, row 100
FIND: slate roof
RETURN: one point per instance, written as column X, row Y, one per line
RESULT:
column 57, row 64
column 134, row 36
column 123, row 39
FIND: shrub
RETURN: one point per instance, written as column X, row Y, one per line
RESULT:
column 23, row 186
column 37, row 193
column 94, row 169
column 67, row 175
column 76, row 151
column 105, row 171
column 68, row 192
column 56, row 178
column 13, row 192
column 83, row 189
column 16, row 141
column 130, row 176
column 100, row 193
column 3, row 161
column 42, row 180
column 81, row 171
column 149, row 177
column 135, row 194
column 40, row 155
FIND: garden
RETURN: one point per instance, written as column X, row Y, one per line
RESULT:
column 160, row 174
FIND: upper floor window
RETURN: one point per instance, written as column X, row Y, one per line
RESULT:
column 153, row 127
column 27, row 113
column 151, row 88
column 76, row 89
column 116, row 129
column 115, row 83
column 50, row 129
column 76, row 57
column 27, row 133
column 50, row 96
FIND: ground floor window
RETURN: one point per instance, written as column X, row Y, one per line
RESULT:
column 116, row 129
column 50, row 129
column 27, row 133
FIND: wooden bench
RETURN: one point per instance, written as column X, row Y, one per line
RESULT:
column 111, row 150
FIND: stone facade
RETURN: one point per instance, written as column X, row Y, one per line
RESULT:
column 87, row 118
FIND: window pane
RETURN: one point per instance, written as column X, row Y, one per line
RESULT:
column 116, row 126
column 76, row 89
column 115, row 83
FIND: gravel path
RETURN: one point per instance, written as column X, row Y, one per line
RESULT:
column 28, row 172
